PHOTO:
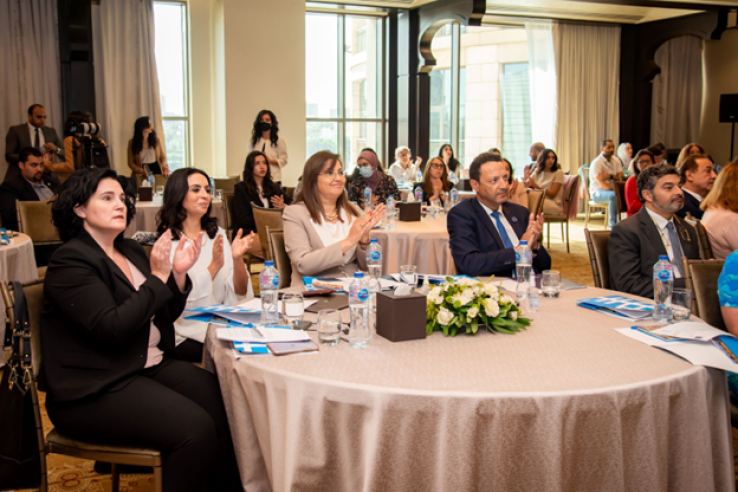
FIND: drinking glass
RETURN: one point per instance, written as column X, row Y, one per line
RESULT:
column 218, row 195
column 681, row 303
column 160, row 190
column 551, row 283
column 409, row 275
column 436, row 204
column 293, row 308
column 329, row 326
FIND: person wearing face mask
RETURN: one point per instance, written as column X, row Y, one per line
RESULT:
column 637, row 242
column 145, row 151
column 265, row 138
column 372, row 175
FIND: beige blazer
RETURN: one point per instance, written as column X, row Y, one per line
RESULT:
column 134, row 161
column 306, row 251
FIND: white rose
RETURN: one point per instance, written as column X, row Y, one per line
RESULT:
column 445, row 316
column 505, row 299
column 491, row 308
column 465, row 281
column 434, row 292
column 514, row 315
column 464, row 297
column 492, row 290
column 473, row 312
column 438, row 300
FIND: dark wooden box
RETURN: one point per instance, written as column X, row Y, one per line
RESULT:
column 145, row 194
column 465, row 185
column 400, row 318
column 409, row 212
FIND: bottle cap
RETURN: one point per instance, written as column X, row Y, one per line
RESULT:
column 391, row 197
column 372, row 240
column 358, row 274
column 268, row 263
column 663, row 257
column 524, row 243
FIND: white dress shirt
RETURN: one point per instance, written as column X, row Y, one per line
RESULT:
column 661, row 224
column 508, row 228
column 600, row 164
column 278, row 152
column 399, row 173
column 331, row 233
column 698, row 197
column 41, row 140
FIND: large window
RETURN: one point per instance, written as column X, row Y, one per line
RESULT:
column 172, row 67
column 343, row 84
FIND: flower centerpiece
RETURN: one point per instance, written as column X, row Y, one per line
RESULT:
column 466, row 303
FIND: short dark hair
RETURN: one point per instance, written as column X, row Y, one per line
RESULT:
column 689, row 164
column 648, row 178
column 77, row 190
column 604, row 142
column 655, row 150
column 27, row 152
column 476, row 165
column 172, row 214
column 32, row 107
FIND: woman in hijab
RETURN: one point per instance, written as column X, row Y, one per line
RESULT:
column 372, row 175
column 625, row 152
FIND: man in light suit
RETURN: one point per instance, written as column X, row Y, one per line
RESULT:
column 697, row 177
column 637, row 242
column 34, row 134
column 484, row 232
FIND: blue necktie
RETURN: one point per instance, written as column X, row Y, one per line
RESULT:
column 501, row 229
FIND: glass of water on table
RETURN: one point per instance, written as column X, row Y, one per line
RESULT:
column 681, row 304
column 293, row 308
column 329, row 326
column 409, row 275
column 550, row 283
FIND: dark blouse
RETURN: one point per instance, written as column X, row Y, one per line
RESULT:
column 384, row 189
column 243, row 214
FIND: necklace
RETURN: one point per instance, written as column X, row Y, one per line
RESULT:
column 332, row 217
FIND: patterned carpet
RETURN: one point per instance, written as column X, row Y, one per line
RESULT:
column 72, row 475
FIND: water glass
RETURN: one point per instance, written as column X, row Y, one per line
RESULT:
column 160, row 190
column 409, row 275
column 681, row 303
column 551, row 283
column 361, row 330
column 436, row 206
column 293, row 308
column 329, row 326
column 218, row 195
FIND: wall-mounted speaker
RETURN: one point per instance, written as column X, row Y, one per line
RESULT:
column 729, row 108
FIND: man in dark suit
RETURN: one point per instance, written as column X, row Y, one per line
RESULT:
column 637, row 242
column 697, row 175
column 34, row 134
column 483, row 232
column 30, row 184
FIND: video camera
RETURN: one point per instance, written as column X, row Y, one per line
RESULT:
column 85, row 129
column 94, row 151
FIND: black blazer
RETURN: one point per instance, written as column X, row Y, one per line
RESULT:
column 17, row 188
column 691, row 205
column 634, row 248
column 18, row 138
column 95, row 325
column 477, row 247
column 243, row 214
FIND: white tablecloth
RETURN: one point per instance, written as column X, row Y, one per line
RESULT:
column 568, row 405
column 145, row 219
column 464, row 195
column 17, row 262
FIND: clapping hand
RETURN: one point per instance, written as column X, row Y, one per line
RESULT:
column 241, row 245
column 184, row 258
column 218, row 259
column 534, row 231
column 526, row 173
column 277, row 201
column 159, row 257
column 418, row 160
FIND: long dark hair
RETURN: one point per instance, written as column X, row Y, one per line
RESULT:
column 315, row 165
column 173, row 214
column 510, row 167
column 255, row 133
column 541, row 163
column 138, row 138
column 268, row 187
column 453, row 163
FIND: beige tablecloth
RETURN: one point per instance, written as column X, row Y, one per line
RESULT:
column 568, row 405
column 17, row 262
column 423, row 244
column 145, row 219
column 464, row 195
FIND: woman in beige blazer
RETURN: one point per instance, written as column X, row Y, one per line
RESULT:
column 324, row 234
column 146, row 148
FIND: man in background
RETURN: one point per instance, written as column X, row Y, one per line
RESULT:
column 602, row 172
column 697, row 176
column 30, row 184
column 34, row 134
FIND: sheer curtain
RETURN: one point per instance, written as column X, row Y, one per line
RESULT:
column 126, row 84
column 30, row 63
column 677, row 92
column 588, row 78
column 542, row 71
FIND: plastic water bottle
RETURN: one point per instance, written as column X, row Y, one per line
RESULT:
column 523, row 261
column 452, row 177
column 418, row 194
column 418, row 176
column 390, row 213
column 360, row 305
column 268, row 288
column 532, row 294
column 454, row 196
column 368, row 204
column 212, row 188
column 4, row 239
column 151, row 179
column 663, row 284
column 374, row 259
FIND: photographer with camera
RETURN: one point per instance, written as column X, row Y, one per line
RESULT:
column 79, row 130
column 145, row 151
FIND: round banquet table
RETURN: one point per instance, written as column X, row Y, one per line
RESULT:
column 17, row 262
column 463, row 195
column 145, row 219
column 423, row 244
column 568, row 405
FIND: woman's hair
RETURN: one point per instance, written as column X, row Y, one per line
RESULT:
column 268, row 187
column 427, row 185
column 635, row 168
column 256, row 133
column 398, row 150
column 315, row 165
column 724, row 192
column 172, row 213
column 685, row 152
column 77, row 190
column 541, row 162
column 138, row 128
column 453, row 163
column 511, row 168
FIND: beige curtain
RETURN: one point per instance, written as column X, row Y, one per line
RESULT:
column 587, row 82
column 126, row 84
column 677, row 92
column 29, row 57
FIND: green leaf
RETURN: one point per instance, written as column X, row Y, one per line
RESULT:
column 474, row 326
column 453, row 332
column 457, row 304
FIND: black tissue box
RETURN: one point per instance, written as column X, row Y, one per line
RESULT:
column 145, row 194
column 401, row 318
column 409, row 212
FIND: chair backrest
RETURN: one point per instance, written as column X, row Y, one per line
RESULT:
column 34, row 292
column 619, row 188
column 571, row 186
column 281, row 258
column 597, row 242
column 584, row 173
column 160, row 180
column 34, row 219
column 264, row 217
column 702, row 237
column 228, row 199
column 290, row 192
column 225, row 184
column 535, row 201
column 701, row 277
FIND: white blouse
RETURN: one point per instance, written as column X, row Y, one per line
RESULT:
column 331, row 233
column 148, row 156
column 206, row 290
column 278, row 152
column 154, row 355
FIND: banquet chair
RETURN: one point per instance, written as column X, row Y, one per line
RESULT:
column 590, row 204
column 535, row 201
column 701, row 277
column 34, row 220
column 55, row 443
column 226, row 184
column 597, row 242
column 290, row 192
column 704, row 239
column 264, row 217
column 281, row 258
column 160, row 180
column 622, row 205
column 571, row 186
column 228, row 199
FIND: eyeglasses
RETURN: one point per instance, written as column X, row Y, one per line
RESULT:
column 338, row 173
column 438, row 166
column 647, row 161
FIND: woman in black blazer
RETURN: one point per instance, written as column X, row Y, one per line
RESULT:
column 107, row 337
column 257, row 186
